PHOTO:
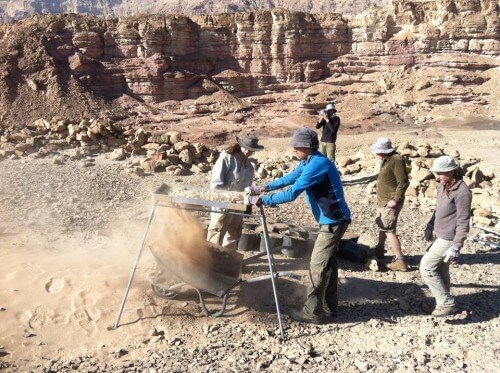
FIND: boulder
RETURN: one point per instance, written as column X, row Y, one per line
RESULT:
column 42, row 123
column 118, row 155
column 186, row 157
column 59, row 126
column 476, row 177
column 480, row 220
column 482, row 212
column 139, row 139
column 421, row 174
column 431, row 191
column 174, row 137
column 436, row 152
column 487, row 202
column 354, row 168
column 139, row 171
column 344, row 162
column 411, row 192
column 423, row 151
column 181, row 145
column 406, row 152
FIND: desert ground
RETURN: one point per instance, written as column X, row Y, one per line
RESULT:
column 70, row 233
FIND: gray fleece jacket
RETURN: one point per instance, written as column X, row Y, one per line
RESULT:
column 450, row 220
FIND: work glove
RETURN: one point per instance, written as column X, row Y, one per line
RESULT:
column 254, row 190
column 252, row 200
column 453, row 253
column 428, row 236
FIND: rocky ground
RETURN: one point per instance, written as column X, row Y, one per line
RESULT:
column 70, row 231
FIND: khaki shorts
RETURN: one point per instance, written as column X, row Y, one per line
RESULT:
column 387, row 217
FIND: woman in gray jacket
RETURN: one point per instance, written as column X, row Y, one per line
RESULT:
column 233, row 171
column 450, row 225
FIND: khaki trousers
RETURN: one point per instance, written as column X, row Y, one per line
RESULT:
column 328, row 149
column 225, row 229
column 436, row 273
column 323, row 272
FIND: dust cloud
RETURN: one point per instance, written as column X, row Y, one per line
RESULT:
column 179, row 247
column 177, row 241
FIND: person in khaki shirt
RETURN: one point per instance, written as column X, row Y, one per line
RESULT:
column 392, row 183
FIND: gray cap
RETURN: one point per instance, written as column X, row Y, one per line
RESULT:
column 250, row 142
column 305, row 138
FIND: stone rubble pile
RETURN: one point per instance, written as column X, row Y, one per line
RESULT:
column 166, row 151
column 154, row 151
column 146, row 152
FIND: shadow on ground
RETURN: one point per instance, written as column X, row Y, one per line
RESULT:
column 360, row 300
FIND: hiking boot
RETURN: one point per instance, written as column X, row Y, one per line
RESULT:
column 299, row 315
column 376, row 252
column 443, row 311
column 397, row 265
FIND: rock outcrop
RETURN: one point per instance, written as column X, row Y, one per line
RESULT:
column 433, row 53
column 16, row 9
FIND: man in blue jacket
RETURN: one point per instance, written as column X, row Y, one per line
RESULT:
column 319, row 178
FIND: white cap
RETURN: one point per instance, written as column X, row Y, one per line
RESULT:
column 382, row 146
column 330, row 107
column 444, row 163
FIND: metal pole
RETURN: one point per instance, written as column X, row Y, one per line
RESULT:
column 488, row 230
column 271, row 269
column 492, row 245
column 135, row 266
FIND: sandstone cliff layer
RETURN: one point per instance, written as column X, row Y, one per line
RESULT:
column 159, row 58
column 17, row 9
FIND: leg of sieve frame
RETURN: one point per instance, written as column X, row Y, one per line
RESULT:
column 271, row 269
column 151, row 213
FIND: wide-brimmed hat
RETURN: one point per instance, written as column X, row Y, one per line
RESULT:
column 382, row 146
column 331, row 107
column 305, row 138
column 250, row 142
column 444, row 163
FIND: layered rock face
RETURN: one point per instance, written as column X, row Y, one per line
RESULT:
column 171, row 57
column 163, row 58
column 17, row 9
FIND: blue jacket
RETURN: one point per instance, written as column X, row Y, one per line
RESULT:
column 321, row 181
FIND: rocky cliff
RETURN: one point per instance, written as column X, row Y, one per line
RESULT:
column 16, row 9
column 435, row 52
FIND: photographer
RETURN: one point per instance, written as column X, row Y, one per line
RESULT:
column 330, row 124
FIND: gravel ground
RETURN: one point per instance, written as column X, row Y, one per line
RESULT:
column 382, row 324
